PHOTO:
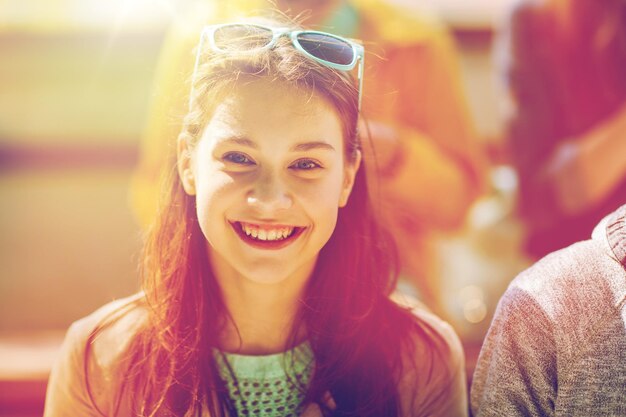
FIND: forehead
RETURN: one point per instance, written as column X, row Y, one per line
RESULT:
column 263, row 108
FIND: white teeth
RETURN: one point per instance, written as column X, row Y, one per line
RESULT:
column 264, row 234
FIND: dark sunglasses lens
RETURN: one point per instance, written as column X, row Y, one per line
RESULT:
column 327, row 48
column 241, row 37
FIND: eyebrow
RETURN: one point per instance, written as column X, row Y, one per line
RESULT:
column 300, row 147
column 236, row 140
column 307, row 146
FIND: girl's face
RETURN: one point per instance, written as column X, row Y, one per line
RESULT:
column 269, row 175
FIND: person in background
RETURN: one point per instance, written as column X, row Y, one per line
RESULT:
column 429, row 168
column 266, row 280
column 557, row 343
column 564, row 62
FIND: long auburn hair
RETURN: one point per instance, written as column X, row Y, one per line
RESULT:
column 359, row 337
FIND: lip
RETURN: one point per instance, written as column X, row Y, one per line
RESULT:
column 266, row 244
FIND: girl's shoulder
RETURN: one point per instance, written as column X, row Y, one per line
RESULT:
column 108, row 330
column 430, row 327
column 86, row 372
column 433, row 379
column 132, row 306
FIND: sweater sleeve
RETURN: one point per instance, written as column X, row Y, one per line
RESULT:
column 515, row 374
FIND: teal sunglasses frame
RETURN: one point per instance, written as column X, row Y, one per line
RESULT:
column 358, row 52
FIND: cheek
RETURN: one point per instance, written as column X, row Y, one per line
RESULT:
column 214, row 192
column 324, row 192
column 321, row 200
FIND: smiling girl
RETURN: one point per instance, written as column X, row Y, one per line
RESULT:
column 266, row 281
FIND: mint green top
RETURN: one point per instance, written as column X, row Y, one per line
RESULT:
column 267, row 385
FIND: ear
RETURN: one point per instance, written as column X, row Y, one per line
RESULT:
column 349, row 175
column 185, row 166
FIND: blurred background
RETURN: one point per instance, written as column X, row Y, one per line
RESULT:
column 75, row 84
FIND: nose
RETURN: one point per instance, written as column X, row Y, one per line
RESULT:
column 269, row 195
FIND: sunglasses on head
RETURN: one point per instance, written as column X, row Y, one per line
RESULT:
column 327, row 49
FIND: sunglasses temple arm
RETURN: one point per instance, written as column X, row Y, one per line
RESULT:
column 360, row 75
column 196, row 65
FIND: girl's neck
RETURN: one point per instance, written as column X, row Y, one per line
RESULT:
column 262, row 317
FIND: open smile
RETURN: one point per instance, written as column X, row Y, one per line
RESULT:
column 266, row 236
